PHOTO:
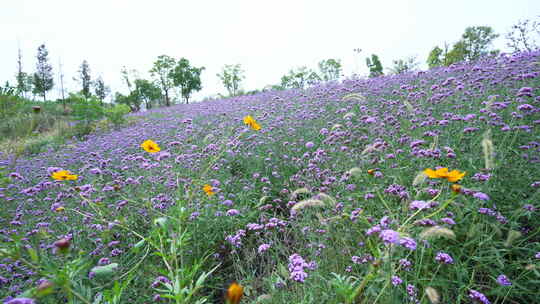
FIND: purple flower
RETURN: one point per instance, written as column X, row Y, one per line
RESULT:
column 481, row 196
column 408, row 243
column 232, row 212
column 448, row 221
column 537, row 255
column 443, row 257
column 478, row 296
column 503, row 280
column 405, row 264
column 263, row 248
column 21, row 301
column 529, row 207
column 160, row 280
column 419, row 205
column 396, row 280
column 389, row 236
column 310, row 145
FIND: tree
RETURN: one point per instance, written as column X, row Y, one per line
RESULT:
column 330, row 69
column 299, row 78
column 434, row 57
column 458, row 53
column 131, row 100
column 100, row 89
column 374, row 65
column 147, row 91
column 477, row 41
column 186, row 77
column 23, row 86
column 404, row 65
column 43, row 78
column 231, row 75
column 85, row 79
column 162, row 70
column 520, row 37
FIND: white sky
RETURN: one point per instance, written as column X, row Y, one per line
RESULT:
column 266, row 37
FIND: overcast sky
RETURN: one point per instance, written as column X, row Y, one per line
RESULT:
column 266, row 37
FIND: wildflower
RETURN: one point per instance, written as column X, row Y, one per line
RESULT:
column 452, row 176
column 481, row 196
column 62, row 245
column 456, row 188
column 389, row 236
column 63, row 175
column 250, row 121
column 263, row 248
column 396, row 280
column 310, row 144
column 21, row 301
column 503, row 280
column 444, row 258
column 150, row 146
column 408, row 243
column 371, row 171
column 209, row 190
column 59, row 209
column 478, row 296
column 234, row 293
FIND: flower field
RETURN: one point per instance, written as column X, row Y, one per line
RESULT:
column 420, row 187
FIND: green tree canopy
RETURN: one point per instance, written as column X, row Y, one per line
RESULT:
column 374, row 65
column 162, row 72
column 404, row 65
column 231, row 76
column 186, row 77
column 148, row 92
column 299, row 78
column 330, row 69
column 43, row 77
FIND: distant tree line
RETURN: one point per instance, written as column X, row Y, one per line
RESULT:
column 177, row 79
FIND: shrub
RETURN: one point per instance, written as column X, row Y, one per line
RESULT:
column 116, row 114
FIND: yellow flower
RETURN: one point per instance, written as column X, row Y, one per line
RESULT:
column 452, row 176
column 208, row 189
column 456, row 188
column 150, row 146
column 371, row 171
column 63, row 175
column 234, row 293
column 60, row 209
column 250, row 121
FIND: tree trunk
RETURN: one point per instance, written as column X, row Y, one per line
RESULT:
column 167, row 102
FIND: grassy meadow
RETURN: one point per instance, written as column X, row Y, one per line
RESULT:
column 329, row 201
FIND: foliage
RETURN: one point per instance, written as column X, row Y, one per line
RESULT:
column 374, row 65
column 116, row 114
column 132, row 100
column 299, row 78
column 186, row 77
column 434, row 57
column 459, row 52
column 476, row 41
column 162, row 70
column 330, row 69
column 100, row 89
column 86, row 111
column 85, row 79
column 148, row 92
column 43, row 78
column 521, row 36
column 404, row 65
column 231, row 76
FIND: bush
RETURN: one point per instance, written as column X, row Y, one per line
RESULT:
column 116, row 114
